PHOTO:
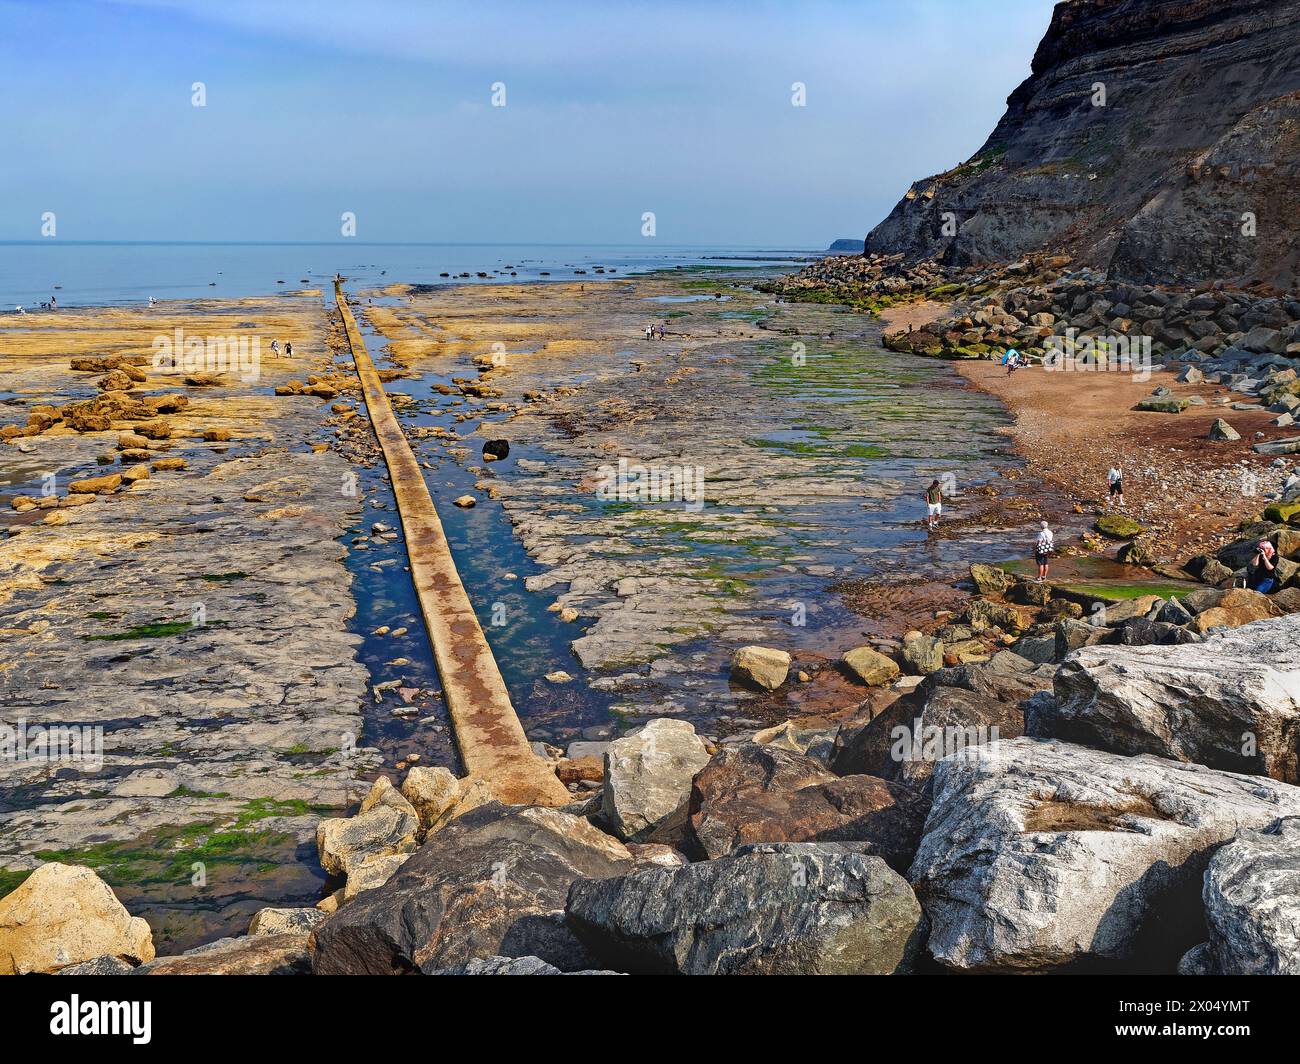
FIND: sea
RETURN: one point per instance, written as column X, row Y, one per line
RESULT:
column 116, row 274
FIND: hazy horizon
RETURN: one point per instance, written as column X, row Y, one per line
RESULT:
column 386, row 111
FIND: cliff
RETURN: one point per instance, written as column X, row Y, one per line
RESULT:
column 1146, row 133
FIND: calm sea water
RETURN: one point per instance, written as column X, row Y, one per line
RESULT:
column 99, row 274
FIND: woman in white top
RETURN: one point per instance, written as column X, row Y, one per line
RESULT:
column 1115, row 482
column 1043, row 548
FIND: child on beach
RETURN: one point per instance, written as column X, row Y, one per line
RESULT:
column 275, row 347
column 934, row 505
column 1115, row 480
column 1043, row 548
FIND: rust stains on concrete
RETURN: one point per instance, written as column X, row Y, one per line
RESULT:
column 490, row 738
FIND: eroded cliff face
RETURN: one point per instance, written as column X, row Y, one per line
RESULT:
column 1155, row 137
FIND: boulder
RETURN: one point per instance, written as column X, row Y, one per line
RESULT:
column 1039, row 649
column 284, row 921
column 1234, row 607
column 921, row 654
column 83, row 417
column 1072, row 634
column 869, row 666
column 433, row 793
column 371, row 872
column 1290, row 445
column 989, row 579
column 779, row 909
column 385, row 824
column 1163, row 405
column 490, row 883
column 751, row 793
column 1030, row 593
column 280, row 954
column 1231, row 702
column 1216, row 574
column 65, row 914
column 1041, row 855
column 981, row 614
column 104, row 485
column 1281, row 512
column 1116, row 613
column 510, row 966
column 1288, row 600
column 1252, row 903
column 154, row 430
column 760, row 667
column 953, row 708
column 1117, row 526
column 648, row 779
column 580, row 769
column 1174, row 612
column 1139, row 632
column 1221, row 430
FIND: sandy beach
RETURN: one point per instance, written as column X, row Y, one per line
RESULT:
column 1188, row 490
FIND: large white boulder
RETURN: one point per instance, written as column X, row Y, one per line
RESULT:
column 1231, row 702
column 1252, row 904
column 648, row 777
column 1039, row 854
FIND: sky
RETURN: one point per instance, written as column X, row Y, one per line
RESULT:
column 384, row 108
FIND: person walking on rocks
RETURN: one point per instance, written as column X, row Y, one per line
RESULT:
column 1115, row 482
column 934, row 505
column 1044, row 547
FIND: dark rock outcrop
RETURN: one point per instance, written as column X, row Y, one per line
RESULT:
column 1199, row 126
column 961, row 706
column 751, row 793
column 785, row 909
column 491, row 883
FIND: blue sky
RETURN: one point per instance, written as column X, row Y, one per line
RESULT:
column 383, row 108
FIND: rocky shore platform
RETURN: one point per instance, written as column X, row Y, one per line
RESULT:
column 1109, row 768
column 171, row 579
column 1193, row 391
column 862, row 795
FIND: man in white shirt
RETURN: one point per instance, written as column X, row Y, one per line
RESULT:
column 1043, row 548
column 1115, row 482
